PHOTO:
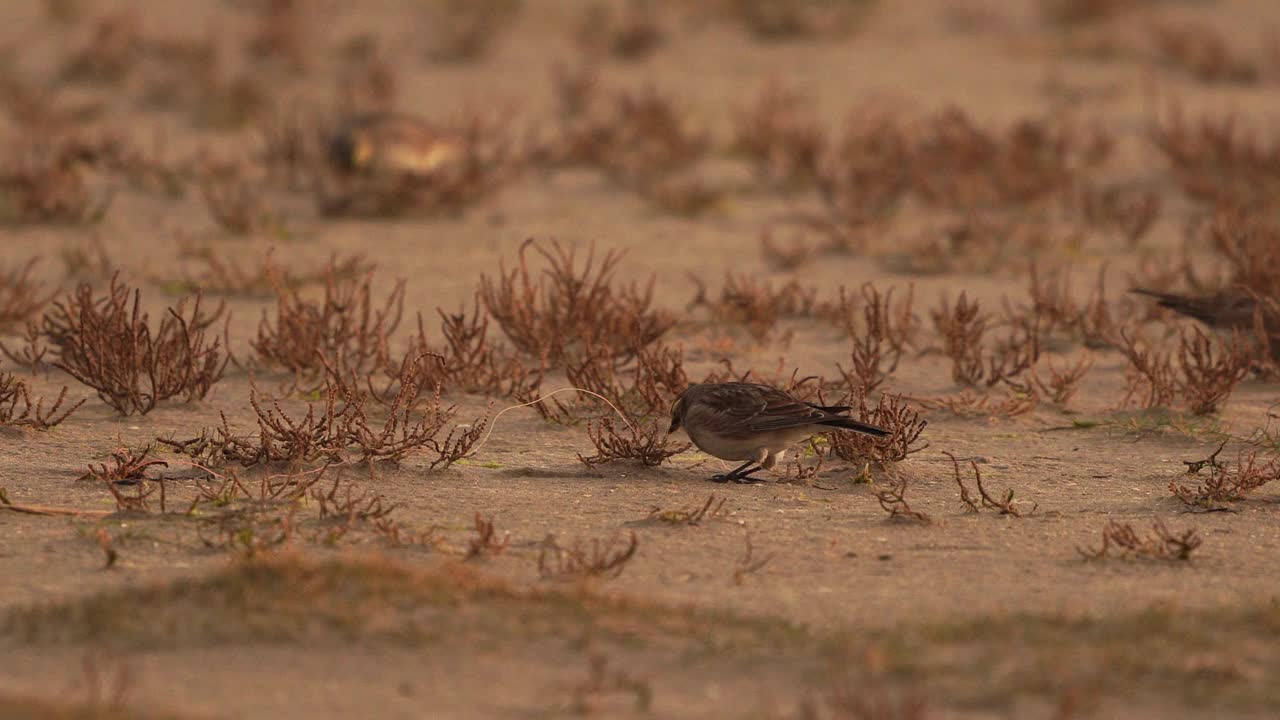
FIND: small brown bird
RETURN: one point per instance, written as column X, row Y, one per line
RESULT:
column 753, row 423
column 392, row 144
column 1226, row 311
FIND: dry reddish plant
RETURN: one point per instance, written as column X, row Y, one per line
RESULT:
column 650, row 446
column 1203, row 375
column 755, row 304
column 217, row 272
column 1075, row 12
column 866, row 171
column 878, row 341
column 290, row 147
column 1250, row 245
column 638, row 138
column 891, row 413
column 1159, row 544
column 710, row 510
column 238, row 208
column 642, row 385
column 893, row 500
column 17, row 410
column 281, row 35
column 1062, row 384
column 128, row 467
column 963, row 166
column 345, row 328
column 970, row 404
column 460, row 31
column 42, row 183
column 963, row 328
column 1004, row 504
column 1202, row 52
column 1216, row 161
column 1226, row 482
column 630, row 33
column 1129, row 213
column 486, row 541
column 581, row 560
column 107, row 344
column 780, row 134
column 774, row 20
column 111, row 51
column 551, row 317
column 749, row 564
column 588, row 697
column 21, row 295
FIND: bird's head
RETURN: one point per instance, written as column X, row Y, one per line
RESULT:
column 677, row 414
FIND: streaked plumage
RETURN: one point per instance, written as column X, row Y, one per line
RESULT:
column 755, row 424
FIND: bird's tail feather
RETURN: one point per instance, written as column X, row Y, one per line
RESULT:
column 845, row 423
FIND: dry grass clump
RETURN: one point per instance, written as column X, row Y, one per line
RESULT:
column 212, row 270
column 553, row 316
column 1128, row 213
column 111, row 51
column 781, row 136
column 21, row 295
column 630, row 33
column 650, row 446
column 128, row 468
column 461, row 31
column 894, row 501
column 1004, row 504
column 1095, row 321
column 867, row 169
column 346, row 328
column 17, row 410
column 693, row 516
column 1217, row 161
column 1226, row 482
column 1249, row 244
column 1203, row 374
column 1121, row 540
column 963, row 166
column 42, row 183
column 641, row 139
column 583, row 560
column 756, row 304
column 963, row 327
column 778, row 20
column 1203, row 53
column 905, row 427
column 107, row 343
column 879, row 339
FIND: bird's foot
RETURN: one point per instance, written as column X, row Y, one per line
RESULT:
column 742, row 478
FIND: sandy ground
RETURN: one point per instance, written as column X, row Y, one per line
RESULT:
column 838, row 568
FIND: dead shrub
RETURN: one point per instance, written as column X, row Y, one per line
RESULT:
column 776, row 20
column 589, row 697
column 1202, row 52
column 893, row 500
column 1129, row 213
column 879, row 339
column 107, row 344
column 755, row 304
column 867, row 170
column 630, row 33
column 21, row 295
column 1062, row 385
column 111, row 51
column 345, row 328
column 1004, row 504
column 781, row 136
column 238, row 208
column 128, row 467
column 1203, row 375
column 281, row 35
column 1053, row 307
column 905, row 427
column 460, row 31
column 486, row 541
column 1077, row 12
column 963, row 328
column 17, row 410
column 1120, row 539
column 1216, row 161
column 1226, row 482
column 583, row 560
column 709, row 510
column 41, row 182
column 564, row 309
column 649, row 446
column 749, row 564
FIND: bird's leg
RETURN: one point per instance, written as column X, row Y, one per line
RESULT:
column 740, row 474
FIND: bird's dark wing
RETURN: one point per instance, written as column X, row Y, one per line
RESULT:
column 1224, row 310
column 749, row 408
